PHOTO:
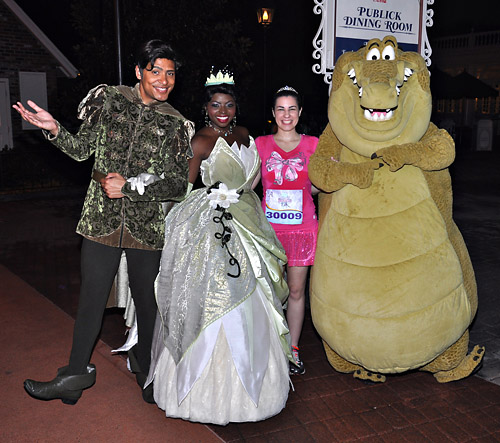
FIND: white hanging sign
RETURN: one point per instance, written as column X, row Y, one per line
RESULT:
column 347, row 25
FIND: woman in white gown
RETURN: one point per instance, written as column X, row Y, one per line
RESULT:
column 221, row 346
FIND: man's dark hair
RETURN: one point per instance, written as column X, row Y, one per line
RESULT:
column 152, row 50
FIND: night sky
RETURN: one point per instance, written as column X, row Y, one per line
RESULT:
column 450, row 17
column 289, row 39
column 461, row 16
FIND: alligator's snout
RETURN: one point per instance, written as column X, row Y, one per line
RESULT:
column 379, row 86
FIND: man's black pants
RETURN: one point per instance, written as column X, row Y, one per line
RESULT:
column 99, row 264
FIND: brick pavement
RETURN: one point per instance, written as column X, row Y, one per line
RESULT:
column 35, row 339
column 39, row 245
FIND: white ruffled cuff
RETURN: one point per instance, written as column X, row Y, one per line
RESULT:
column 144, row 179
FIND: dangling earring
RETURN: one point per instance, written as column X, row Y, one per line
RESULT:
column 233, row 123
column 207, row 121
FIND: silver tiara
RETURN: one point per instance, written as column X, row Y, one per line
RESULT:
column 286, row 88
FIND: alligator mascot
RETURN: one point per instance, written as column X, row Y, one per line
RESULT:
column 392, row 287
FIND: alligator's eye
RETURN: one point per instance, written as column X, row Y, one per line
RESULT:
column 388, row 53
column 373, row 54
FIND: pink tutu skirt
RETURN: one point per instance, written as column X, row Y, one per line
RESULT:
column 299, row 244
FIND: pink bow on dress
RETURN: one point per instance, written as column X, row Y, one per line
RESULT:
column 276, row 163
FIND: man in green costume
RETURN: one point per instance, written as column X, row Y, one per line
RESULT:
column 141, row 146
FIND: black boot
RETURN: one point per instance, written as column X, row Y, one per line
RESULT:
column 66, row 387
column 147, row 393
column 136, row 368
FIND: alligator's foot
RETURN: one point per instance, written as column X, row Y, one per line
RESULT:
column 338, row 363
column 365, row 375
column 342, row 365
column 466, row 367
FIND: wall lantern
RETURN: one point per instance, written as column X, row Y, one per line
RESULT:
column 265, row 16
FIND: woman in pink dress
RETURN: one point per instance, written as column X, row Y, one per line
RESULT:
column 288, row 203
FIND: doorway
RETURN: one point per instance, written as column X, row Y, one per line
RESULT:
column 5, row 118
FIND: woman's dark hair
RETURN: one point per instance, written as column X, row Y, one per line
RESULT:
column 287, row 92
column 152, row 50
column 223, row 88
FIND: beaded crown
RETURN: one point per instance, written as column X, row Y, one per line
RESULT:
column 222, row 76
column 286, row 88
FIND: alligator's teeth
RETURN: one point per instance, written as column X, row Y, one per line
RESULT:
column 398, row 90
column 351, row 73
column 408, row 74
column 378, row 115
column 361, row 91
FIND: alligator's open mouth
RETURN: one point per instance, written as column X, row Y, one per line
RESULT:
column 378, row 115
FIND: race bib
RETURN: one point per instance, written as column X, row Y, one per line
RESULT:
column 284, row 206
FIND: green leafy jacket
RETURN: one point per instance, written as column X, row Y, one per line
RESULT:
column 129, row 137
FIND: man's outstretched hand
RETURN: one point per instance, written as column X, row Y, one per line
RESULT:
column 40, row 118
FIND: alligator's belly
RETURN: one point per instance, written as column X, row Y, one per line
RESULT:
column 387, row 288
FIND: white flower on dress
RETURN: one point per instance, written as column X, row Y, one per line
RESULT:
column 222, row 197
